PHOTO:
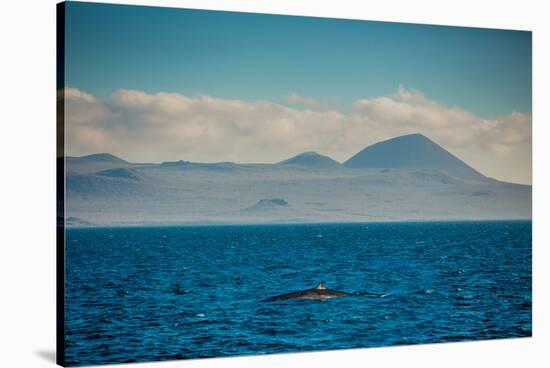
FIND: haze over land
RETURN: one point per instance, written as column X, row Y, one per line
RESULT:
column 406, row 178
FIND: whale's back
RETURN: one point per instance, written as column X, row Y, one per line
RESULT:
column 313, row 294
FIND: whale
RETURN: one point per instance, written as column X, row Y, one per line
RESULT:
column 319, row 292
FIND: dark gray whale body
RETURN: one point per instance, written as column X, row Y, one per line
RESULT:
column 320, row 292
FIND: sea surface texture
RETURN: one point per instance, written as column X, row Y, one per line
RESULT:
column 159, row 293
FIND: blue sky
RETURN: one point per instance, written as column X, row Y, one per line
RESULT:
column 265, row 57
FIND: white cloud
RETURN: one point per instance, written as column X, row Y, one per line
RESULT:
column 296, row 99
column 453, row 127
column 169, row 126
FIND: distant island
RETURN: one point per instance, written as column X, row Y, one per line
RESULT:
column 401, row 179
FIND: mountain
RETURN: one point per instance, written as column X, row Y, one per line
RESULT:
column 413, row 152
column 122, row 173
column 312, row 160
column 102, row 157
column 95, row 163
column 76, row 222
column 268, row 206
column 407, row 178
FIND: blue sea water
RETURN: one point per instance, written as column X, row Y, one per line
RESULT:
column 159, row 293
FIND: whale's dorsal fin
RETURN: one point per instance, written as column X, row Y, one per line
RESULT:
column 321, row 286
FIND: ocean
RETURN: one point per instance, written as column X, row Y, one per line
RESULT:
column 160, row 293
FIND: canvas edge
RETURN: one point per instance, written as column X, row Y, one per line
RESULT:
column 60, row 184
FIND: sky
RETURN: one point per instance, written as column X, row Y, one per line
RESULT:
column 159, row 84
